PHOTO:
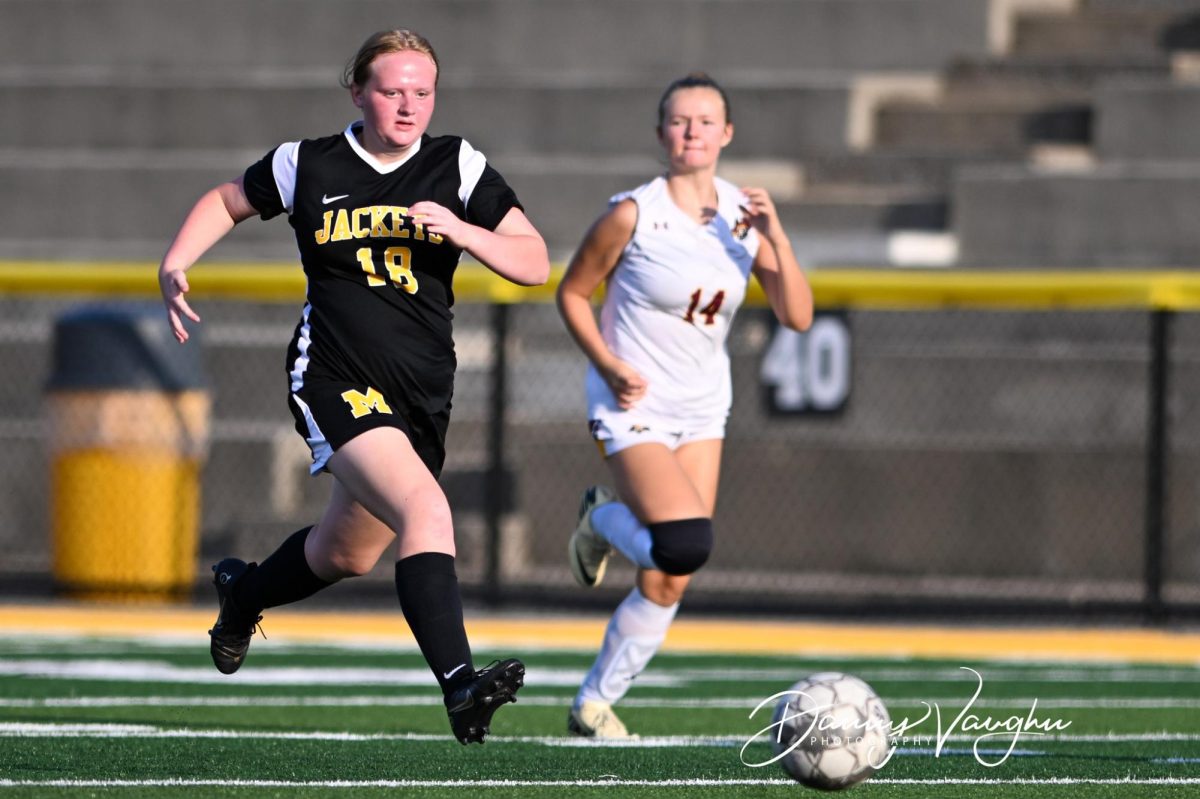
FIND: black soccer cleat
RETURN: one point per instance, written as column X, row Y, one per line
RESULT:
column 232, row 633
column 470, row 707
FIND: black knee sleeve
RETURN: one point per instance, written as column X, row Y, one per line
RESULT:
column 682, row 546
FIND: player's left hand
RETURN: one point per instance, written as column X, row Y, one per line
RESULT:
column 438, row 219
column 760, row 212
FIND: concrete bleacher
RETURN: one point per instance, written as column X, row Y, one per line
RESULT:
column 865, row 117
column 511, row 36
column 1110, row 171
column 150, row 171
column 1144, row 121
column 1119, row 215
column 1038, row 97
column 138, row 105
column 582, row 118
column 1133, row 204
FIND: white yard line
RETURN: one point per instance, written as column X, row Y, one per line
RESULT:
column 102, row 730
column 148, row 670
column 746, row 703
column 616, row 782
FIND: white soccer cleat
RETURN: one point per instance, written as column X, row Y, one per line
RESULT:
column 588, row 551
column 596, row 719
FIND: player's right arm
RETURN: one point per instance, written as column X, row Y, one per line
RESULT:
column 592, row 264
column 210, row 219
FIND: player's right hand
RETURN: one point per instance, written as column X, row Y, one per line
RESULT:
column 627, row 385
column 174, row 285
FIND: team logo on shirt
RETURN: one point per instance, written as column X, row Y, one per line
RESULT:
column 742, row 229
column 371, row 221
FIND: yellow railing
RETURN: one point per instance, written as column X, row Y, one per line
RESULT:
column 852, row 288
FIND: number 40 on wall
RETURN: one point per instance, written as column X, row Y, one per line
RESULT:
column 809, row 372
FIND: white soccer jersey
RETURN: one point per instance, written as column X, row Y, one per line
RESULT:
column 670, row 302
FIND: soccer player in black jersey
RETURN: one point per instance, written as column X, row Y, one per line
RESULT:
column 382, row 212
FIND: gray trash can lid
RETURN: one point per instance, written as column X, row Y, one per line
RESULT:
column 122, row 346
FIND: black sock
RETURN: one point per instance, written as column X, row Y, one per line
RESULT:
column 281, row 579
column 428, row 589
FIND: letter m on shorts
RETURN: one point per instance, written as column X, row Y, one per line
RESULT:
column 361, row 404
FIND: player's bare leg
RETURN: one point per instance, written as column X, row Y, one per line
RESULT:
column 349, row 540
column 382, row 472
column 659, row 485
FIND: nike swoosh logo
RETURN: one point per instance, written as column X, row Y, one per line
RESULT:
column 326, row 200
column 453, row 671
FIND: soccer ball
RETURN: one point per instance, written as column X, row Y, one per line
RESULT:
column 831, row 731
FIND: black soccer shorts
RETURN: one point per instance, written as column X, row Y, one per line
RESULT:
column 329, row 413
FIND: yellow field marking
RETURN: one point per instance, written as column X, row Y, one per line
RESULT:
column 511, row 633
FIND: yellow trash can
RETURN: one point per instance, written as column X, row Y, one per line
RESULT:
column 127, row 429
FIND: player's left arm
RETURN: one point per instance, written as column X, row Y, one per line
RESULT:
column 775, row 265
column 514, row 250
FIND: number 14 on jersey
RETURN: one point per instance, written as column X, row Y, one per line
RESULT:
column 709, row 311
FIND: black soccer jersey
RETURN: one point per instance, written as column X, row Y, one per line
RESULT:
column 379, row 285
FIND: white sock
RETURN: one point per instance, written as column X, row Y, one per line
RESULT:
column 617, row 524
column 634, row 634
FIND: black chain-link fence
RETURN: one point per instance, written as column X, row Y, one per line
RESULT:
column 957, row 459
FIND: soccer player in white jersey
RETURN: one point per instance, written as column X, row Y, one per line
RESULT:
column 382, row 212
column 676, row 253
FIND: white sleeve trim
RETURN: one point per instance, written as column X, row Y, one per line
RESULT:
column 283, row 166
column 470, row 168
